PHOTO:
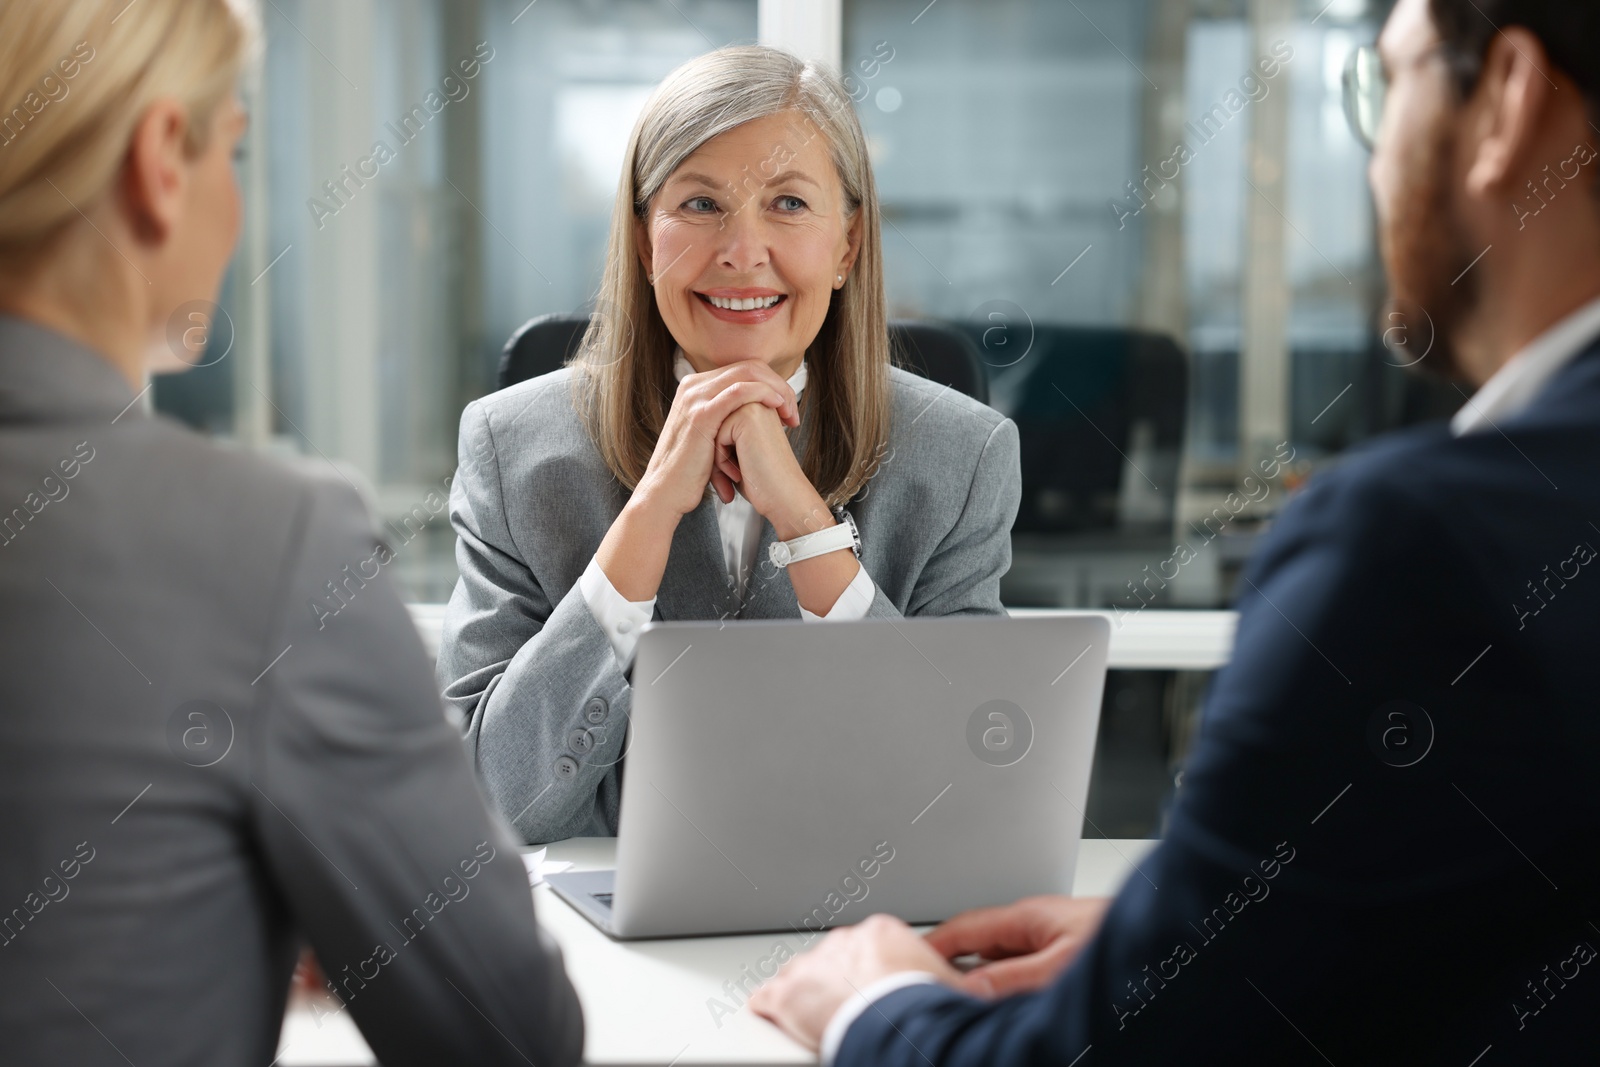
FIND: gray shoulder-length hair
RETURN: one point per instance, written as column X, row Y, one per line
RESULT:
column 625, row 382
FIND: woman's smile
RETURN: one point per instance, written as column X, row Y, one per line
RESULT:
column 746, row 307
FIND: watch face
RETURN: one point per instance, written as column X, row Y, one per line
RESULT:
column 780, row 553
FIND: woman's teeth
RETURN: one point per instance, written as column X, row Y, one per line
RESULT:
column 748, row 304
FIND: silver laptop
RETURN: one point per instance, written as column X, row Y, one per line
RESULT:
column 797, row 776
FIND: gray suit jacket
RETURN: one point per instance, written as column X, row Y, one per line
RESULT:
column 530, row 670
column 198, row 766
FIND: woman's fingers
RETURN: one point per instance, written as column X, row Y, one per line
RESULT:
column 727, row 433
column 728, row 465
column 697, row 446
column 722, row 486
column 755, row 371
column 714, row 412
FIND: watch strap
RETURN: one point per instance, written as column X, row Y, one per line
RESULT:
column 808, row 546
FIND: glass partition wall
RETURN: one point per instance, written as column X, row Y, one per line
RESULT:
column 1148, row 217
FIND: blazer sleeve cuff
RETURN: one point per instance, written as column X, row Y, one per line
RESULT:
column 850, row 1010
column 877, row 1035
column 619, row 617
column 853, row 603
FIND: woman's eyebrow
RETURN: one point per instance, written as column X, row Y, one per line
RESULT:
column 696, row 178
column 793, row 176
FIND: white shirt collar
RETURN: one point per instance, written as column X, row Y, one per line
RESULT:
column 681, row 369
column 1515, row 385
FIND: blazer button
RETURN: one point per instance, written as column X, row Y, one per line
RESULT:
column 580, row 741
column 566, row 767
column 595, row 711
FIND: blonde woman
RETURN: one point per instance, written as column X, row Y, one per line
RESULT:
column 194, row 776
column 740, row 345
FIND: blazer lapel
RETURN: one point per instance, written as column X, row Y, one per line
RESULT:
column 695, row 585
column 768, row 594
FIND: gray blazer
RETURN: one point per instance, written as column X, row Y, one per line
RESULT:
column 532, row 674
column 219, row 736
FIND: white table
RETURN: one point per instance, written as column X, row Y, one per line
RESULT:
column 1140, row 640
column 648, row 1002
column 1160, row 640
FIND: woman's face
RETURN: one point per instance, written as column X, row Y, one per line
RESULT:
column 746, row 243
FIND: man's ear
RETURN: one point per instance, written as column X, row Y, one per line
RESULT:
column 1511, row 107
column 155, row 171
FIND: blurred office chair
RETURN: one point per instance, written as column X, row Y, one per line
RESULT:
column 539, row 346
column 937, row 352
column 1102, row 415
column 940, row 353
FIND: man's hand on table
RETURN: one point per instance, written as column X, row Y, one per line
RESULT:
column 812, row 986
column 1023, row 946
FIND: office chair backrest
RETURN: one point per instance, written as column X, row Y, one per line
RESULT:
column 1101, row 414
column 937, row 352
column 940, row 353
column 539, row 346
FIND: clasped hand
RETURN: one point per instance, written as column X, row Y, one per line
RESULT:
column 729, row 427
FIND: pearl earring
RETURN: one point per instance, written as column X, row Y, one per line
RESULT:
column 839, row 278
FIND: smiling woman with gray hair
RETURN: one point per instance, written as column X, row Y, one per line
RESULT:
column 740, row 344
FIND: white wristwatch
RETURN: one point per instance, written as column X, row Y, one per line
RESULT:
column 834, row 538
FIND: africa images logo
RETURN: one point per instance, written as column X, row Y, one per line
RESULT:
column 999, row 733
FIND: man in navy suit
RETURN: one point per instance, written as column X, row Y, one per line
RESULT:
column 1384, row 848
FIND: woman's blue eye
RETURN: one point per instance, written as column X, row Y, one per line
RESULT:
column 701, row 203
column 791, row 203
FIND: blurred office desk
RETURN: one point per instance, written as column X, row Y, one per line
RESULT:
column 653, row 1002
column 1160, row 640
column 1140, row 640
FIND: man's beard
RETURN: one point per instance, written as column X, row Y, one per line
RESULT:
column 1432, row 291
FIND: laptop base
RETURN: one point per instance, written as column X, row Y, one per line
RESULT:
column 589, row 892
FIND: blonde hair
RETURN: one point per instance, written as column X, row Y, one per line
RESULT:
column 75, row 78
column 625, row 381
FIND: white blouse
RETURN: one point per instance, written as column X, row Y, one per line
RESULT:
column 740, row 525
